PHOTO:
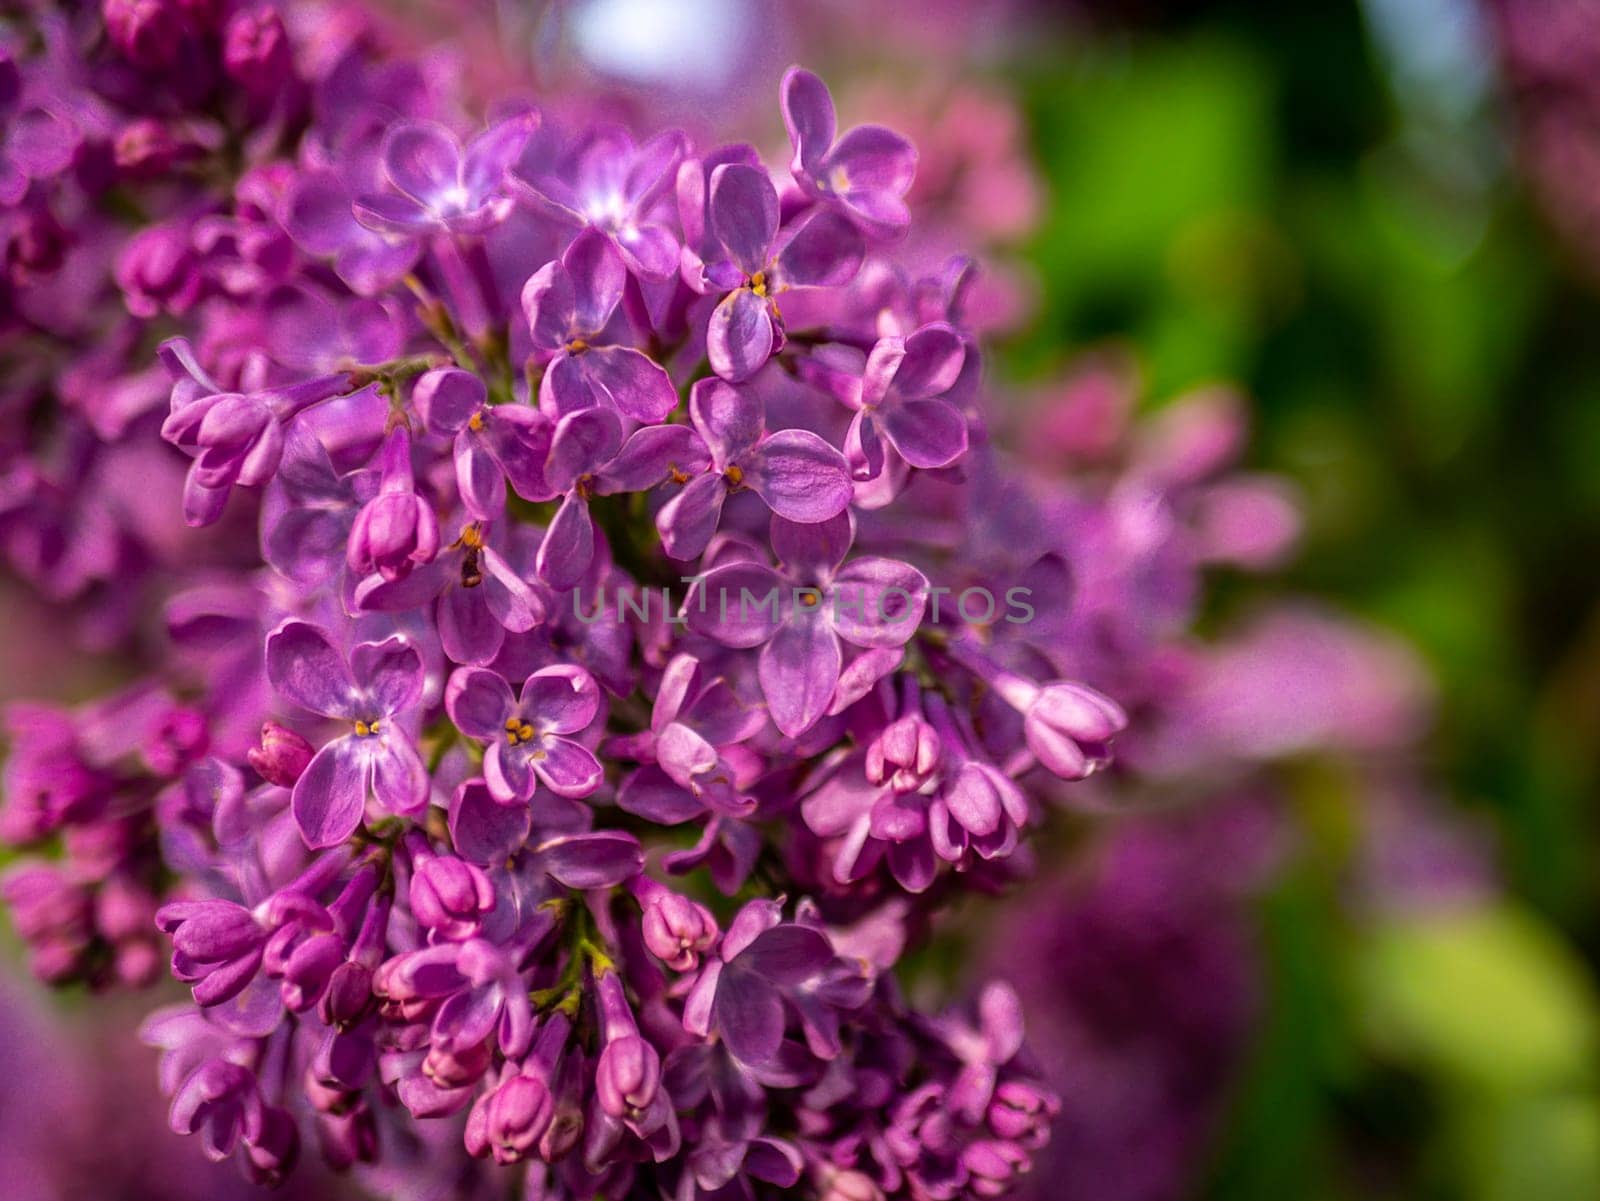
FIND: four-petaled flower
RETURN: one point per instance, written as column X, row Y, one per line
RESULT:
column 374, row 691
column 440, row 186
column 526, row 736
column 865, row 174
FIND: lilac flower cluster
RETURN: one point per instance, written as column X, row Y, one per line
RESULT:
column 460, row 876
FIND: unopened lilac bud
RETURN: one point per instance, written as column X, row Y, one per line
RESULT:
column 1020, row 1112
column 282, row 755
column 993, row 1166
column 123, row 909
column 1069, row 726
column 137, row 963
column 158, row 272
column 451, row 896
column 348, row 997
column 514, row 1117
column 256, row 52
column 677, row 930
column 627, row 1076
column 904, row 755
column 148, row 33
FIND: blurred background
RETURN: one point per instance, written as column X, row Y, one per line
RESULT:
column 1368, row 969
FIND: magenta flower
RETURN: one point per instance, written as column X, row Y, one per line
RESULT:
column 568, row 304
column 381, row 682
column 798, row 615
column 798, row 475
column 865, row 174
column 233, row 437
column 438, row 185
column 492, row 444
column 526, row 736
column 396, row 530
column 759, row 263
column 609, row 184
column 899, row 401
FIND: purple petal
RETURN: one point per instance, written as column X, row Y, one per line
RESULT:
column 813, row 549
column 874, row 159
column 550, row 303
column 927, row 433
column 422, row 159
column 390, row 673
column 567, row 768
column 399, row 216
column 508, row 771
column 331, row 793
column 653, row 795
column 514, row 605
column 481, row 829
column 744, row 214
column 306, row 669
column 598, row 276
column 479, row 701
column 568, row 546
column 604, row 859
column 468, row 630
column 687, row 521
column 740, row 336
column 749, row 1016
column 519, row 438
column 808, row 116
column 563, row 699
column 583, row 443
column 632, row 382
column 878, row 602
column 800, row 476
column 825, row 250
column 478, row 478
column 738, row 605
column 787, row 954
column 731, row 420
column 399, row 779
column 652, row 455
column 448, row 397
column 490, row 155
column 650, row 251
column 799, row 670
column 931, row 363
column 773, row 1161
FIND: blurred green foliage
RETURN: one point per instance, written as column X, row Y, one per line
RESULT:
column 1260, row 195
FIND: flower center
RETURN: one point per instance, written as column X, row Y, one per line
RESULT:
column 758, row 284
column 475, row 422
column 518, row 731
column 365, row 729
column 734, row 475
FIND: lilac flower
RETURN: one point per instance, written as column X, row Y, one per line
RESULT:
column 396, row 530
column 568, row 304
column 866, row 173
column 743, row 212
column 373, row 690
column 584, row 443
column 799, row 615
column 233, row 437
column 899, row 402
column 798, row 475
column 611, row 185
column 763, row 964
column 438, row 185
column 492, row 443
column 526, row 735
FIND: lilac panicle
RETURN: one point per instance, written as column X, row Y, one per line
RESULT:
column 428, row 793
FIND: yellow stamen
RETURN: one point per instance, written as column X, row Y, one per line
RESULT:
column 577, row 346
column 365, row 728
column 472, row 536
column 735, row 475
column 810, row 598
column 525, row 732
column 758, row 283
column 475, row 422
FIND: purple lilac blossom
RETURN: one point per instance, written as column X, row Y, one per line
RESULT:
column 628, row 929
